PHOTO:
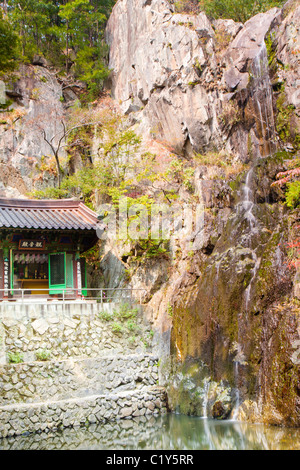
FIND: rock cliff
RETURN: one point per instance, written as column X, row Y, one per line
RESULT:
column 226, row 312
column 33, row 106
column 198, row 85
column 223, row 99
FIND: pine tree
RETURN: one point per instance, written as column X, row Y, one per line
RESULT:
column 8, row 45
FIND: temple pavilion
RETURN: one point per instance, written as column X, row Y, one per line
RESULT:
column 41, row 248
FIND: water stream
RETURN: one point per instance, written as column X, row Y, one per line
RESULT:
column 262, row 97
column 248, row 200
column 169, row 432
column 236, row 391
column 205, row 398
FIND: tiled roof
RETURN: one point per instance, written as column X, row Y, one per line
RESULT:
column 64, row 214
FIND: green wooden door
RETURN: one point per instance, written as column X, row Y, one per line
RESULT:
column 57, row 273
column 83, row 276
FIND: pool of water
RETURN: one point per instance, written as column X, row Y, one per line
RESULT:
column 169, row 432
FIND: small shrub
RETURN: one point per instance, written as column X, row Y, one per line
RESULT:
column 293, row 194
column 42, row 355
column 132, row 340
column 106, row 316
column 132, row 325
column 238, row 10
column 170, row 310
column 147, row 340
column 35, row 93
column 117, row 328
column 15, row 358
column 126, row 312
column 187, row 6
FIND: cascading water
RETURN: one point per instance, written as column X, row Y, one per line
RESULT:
column 248, row 202
column 248, row 290
column 263, row 102
column 205, row 397
column 246, row 224
column 236, row 391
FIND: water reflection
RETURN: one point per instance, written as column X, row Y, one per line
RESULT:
column 170, row 432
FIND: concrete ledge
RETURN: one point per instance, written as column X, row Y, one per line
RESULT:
column 21, row 311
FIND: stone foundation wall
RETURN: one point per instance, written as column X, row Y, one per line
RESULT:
column 60, row 380
column 38, row 417
column 96, row 367
column 116, row 435
column 70, row 330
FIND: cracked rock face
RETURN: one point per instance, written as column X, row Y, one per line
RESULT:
column 182, row 76
column 157, row 58
column 36, row 107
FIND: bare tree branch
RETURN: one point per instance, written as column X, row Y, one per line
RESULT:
column 55, row 149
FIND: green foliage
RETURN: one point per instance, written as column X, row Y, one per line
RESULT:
column 187, row 6
column 271, row 51
column 132, row 326
column 177, row 171
column 170, row 310
column 91, row 69
column 132, row 340
column 125, row 312
column 91, row 257
column 15, row 357
column 106, row 316
column 117, row 328
column 69, row 33
column 43, row 355
column 293, row 194
column 113, row 174
column 285, row 128
column 152, row 248
column 8, row 45
column 32, row 19
column 50, row 193
column 238, row 10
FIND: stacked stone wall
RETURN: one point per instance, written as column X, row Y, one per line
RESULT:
column 72, row 364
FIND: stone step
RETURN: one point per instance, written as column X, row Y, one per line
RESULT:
column 17, row 419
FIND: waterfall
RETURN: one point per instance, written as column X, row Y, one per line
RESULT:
column 247, row 205
column 248, row 290
column 206, row 383
column 247, row 202
column 263, row 102
column 237, row 391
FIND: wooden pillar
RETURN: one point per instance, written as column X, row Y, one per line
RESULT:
column 78, row 275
